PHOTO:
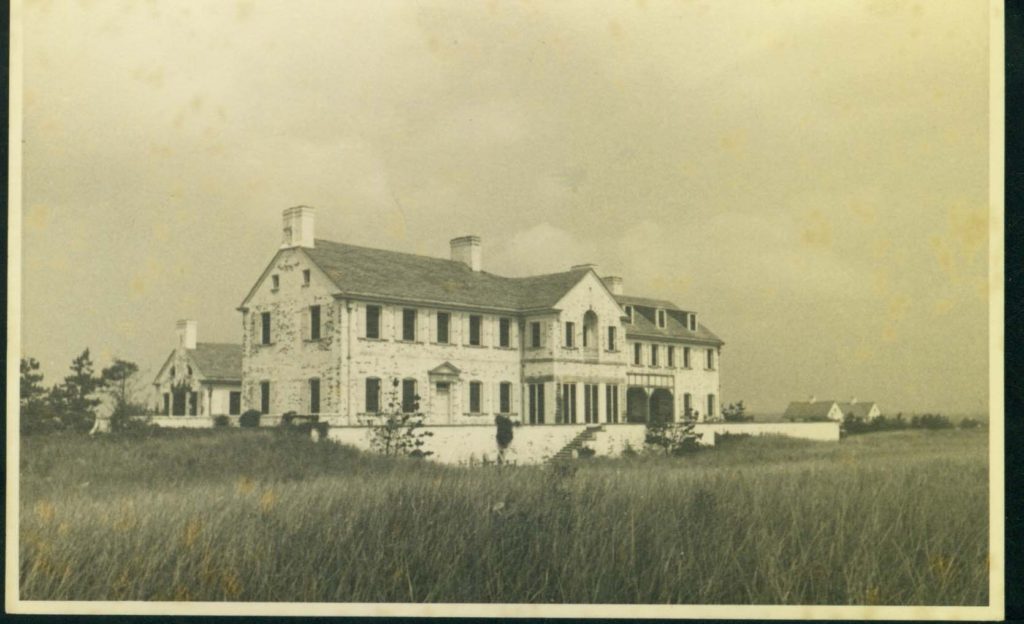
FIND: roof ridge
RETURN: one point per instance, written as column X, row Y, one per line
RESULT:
column 448, row 260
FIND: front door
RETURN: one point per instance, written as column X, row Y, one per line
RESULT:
column 443, row 401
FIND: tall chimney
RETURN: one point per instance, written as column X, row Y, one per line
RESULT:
column 297, row 227
column 614, row 284
column 186, row 330
column 467, row 250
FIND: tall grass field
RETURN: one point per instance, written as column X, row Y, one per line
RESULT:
column 896, row 518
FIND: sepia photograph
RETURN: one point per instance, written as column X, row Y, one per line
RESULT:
column 645, row 308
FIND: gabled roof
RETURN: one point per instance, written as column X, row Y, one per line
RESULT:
column 214, row 361
column 807, row 410
column 365, row 271
column 218, row 360
column 644, row 324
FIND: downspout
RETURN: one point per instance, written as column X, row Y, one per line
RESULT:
column 347, row 374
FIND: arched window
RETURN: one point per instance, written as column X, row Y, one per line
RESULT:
column 590, row 330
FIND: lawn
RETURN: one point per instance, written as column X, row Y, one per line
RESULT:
column 896, row 518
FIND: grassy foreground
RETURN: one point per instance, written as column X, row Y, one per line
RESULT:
column 889, row 518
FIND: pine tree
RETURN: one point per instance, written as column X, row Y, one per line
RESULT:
column 36, row 414
column 77, row 396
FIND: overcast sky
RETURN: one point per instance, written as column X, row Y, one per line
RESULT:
column 810, row 176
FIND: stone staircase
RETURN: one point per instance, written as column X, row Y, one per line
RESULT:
column 566, row 452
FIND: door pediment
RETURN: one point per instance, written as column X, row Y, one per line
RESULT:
column 445, row 372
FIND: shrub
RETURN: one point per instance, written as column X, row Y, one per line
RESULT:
column 736, row 412
column 400, row 432
column 585, row 452
column 970, row 423
column 673, row 438
column 250, row 418
column 221, row 420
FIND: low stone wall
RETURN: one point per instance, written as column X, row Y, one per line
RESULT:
column 820, row 431
column 465, row 444
column 183, row 422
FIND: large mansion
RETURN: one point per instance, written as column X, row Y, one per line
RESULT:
column 349, row 332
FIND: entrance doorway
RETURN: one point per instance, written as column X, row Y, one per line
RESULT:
column 443, row 400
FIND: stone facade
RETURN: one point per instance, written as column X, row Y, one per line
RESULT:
column 581, row 371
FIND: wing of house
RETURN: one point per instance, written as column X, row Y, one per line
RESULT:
column 200, row 379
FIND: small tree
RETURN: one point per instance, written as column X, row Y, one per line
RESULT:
column 400, row 432
column 736, row 412
column 121, row 382
column 671, row 437
column 504, row 435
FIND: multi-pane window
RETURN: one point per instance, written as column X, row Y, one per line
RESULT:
column 611, row 338
column 535, row 334
column 637, row 353
column 305, row 277
column 234, row 403
column 504, row 332
column 711, row 406
column 711, row 359
column 372, row 395
column 314, row 322
column 475, row 390
column 443, row 321
column 505, row 398
column 265, row 328
column 611, row 403
column 537, row 404
column 372, row 321
column 409, row 324
column 590, row 403
column 314, row 396
column 475, row 323
column 686, row 357
column 688, row 406
column 409, row 398
column 275, row 282
column 569, row 403
column 654, row 355
column 264, row 397
column 670, row 356
column 570, row 333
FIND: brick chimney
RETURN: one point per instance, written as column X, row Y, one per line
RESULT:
column 186, row 330
column 297, row 227
column 614, row 284
column 467, row 250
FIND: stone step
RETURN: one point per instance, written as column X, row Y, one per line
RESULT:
column 587, row 435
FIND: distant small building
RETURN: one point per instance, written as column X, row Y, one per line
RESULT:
column 814, row 409
column 200, row 379
column 861, row 410
column 829, row 409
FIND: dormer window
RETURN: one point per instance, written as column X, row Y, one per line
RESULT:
column 275, row 282
column 691, row 320
column 629, row 313
column 661, row 319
